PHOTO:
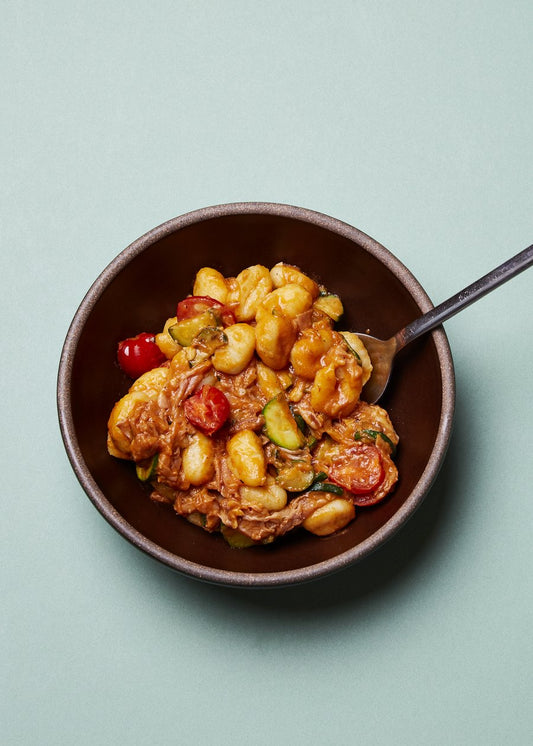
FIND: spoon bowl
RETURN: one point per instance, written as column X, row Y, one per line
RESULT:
column 382, row 353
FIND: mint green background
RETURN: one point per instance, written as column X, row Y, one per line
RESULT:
column 411, row 121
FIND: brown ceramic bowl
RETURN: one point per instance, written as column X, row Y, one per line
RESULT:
column 138, row 291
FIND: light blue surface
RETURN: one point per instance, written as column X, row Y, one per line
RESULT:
column 410, row 121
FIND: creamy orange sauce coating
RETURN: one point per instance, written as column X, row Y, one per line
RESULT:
column 254, row 425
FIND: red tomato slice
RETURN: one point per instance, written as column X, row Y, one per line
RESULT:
column 195, row 305
column 207, row 409
column 138, row 355
column 359, row 470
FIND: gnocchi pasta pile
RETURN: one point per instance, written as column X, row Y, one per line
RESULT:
column 245, row 413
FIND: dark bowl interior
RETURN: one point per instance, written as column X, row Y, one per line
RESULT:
column 139, row 290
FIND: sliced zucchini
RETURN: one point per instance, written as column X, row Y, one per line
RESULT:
column 210, row 333
column 210, row 339
column 331, row 305
column 302, row 424
column 311, row 443
column 354, row 352
column 280, row 425
column 235, row 538
column 326, row 487
column 147, row 468
column 186, row 330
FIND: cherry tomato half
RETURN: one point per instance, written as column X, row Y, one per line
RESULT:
column 195, row 305
column 137, row 355
column 359, row 470
column 207, row 409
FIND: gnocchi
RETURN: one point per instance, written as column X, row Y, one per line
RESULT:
column 286, row 274
column 337, row 384
column 151, row 382
column 165, row 342
column 247, row 458
column 290, row 300
column 239, row 349
column 253, row 285
column 275, row 336
column 255, row 423
column 307, row 352
column 198, row 460
column 119, row 434
column 211, row 283
column 331, row 517
column 271, row 496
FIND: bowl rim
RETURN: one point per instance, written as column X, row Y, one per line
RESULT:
column 231, row 577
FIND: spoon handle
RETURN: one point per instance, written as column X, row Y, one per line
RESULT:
column 464, row 298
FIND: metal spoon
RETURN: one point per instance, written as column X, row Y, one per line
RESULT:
column 382, row 352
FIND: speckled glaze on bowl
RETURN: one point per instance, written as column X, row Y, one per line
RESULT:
column 138, row 291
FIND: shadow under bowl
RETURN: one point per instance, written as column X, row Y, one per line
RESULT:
column 139, row 290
